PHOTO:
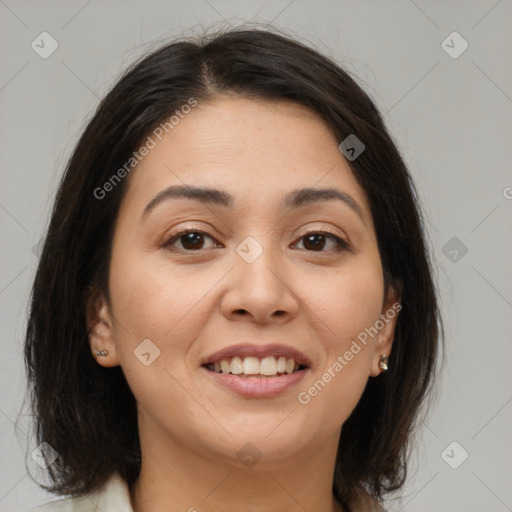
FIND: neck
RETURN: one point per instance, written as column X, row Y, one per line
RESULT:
column 174, row 477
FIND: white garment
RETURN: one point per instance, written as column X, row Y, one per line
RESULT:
column 114, row 496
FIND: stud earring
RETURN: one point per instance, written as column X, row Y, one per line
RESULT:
column 102, row 353
column 383, row 363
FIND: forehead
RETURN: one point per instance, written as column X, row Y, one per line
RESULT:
column 256, row 150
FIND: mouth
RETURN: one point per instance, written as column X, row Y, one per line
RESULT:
column 249, row 360
column 257, row 371
column 254, row 377
column 251, row 367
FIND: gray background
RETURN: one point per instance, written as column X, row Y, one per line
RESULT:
column 450, row 116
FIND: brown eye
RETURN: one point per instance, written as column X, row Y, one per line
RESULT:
column 317, row 240
column 189, row 240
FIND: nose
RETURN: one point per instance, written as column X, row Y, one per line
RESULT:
column 260, row 291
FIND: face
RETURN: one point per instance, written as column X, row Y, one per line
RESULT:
column 254, row 265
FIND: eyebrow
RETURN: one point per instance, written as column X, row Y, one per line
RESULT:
column 295, row 199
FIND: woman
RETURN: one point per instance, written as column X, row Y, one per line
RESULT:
column 234, row 306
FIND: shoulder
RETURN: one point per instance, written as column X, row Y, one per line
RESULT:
column 113, row 496
column 366, row 503
column 66, row 505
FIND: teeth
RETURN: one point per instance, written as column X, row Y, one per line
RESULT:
column 236, row 366
column 253, row 367
column 268, row 365
column 225, row 366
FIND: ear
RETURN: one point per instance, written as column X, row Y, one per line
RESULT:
column 100, row 328
column 387, row 322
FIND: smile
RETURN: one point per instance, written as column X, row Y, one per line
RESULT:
column 254, row 367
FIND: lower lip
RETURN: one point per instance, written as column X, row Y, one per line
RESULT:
column 264, row 387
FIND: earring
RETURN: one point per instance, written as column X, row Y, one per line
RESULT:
column 102, row 353
column 383, row 363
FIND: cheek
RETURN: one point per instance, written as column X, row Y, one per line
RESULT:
column 152, row 298
column 152, row 302
column 346, row 302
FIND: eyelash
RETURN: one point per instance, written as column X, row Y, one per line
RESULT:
column 341, row 245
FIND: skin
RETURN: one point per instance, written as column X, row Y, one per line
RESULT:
column 191, row 304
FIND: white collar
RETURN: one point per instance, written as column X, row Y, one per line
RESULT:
column 113, row 496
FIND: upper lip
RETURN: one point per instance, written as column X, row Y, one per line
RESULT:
column 249, row 349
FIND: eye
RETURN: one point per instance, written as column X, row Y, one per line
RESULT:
column 316, row 241
column 190, row 240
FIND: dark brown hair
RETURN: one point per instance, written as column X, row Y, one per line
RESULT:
column 86, row 412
